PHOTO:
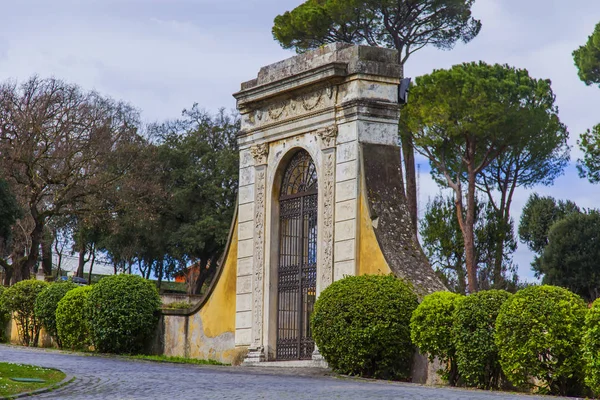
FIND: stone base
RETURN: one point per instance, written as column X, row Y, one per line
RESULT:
column 291, row 364
column 255, row 356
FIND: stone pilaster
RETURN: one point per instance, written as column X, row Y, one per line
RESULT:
column 327, row 137
column 260, row 154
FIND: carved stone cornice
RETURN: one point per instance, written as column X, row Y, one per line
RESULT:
column 260, row 152
column 328, row 136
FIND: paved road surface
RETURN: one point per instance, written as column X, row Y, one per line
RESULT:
column 123, row 379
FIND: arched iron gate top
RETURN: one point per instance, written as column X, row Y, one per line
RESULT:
column 300, row 177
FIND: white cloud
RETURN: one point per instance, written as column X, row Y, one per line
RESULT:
column 164, row 55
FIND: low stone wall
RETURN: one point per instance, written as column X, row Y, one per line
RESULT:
column 170, row 298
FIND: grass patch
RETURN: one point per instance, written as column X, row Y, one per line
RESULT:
column 9, row 387
column 179, row 360
column 178, row 305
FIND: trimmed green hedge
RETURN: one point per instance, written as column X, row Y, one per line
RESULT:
column 591, row 347
column 123, row 312
column 431, row 330
column 20, row 300
column 474, row 333
column 46, row 303
column 538, row 334
column 361, row 326
column 72, row 319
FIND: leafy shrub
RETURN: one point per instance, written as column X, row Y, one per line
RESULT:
column 46, row 303
column 72, row 321
column 123, row 312
column 361, row 326
column 4, row 316
column 20, row 300
column 474, row 333
column 431, row 330
column 538, row 334
column 591, row 347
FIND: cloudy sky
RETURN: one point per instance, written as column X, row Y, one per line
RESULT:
column 165, row 55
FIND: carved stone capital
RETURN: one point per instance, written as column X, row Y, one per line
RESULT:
column 260, row 152
column 328, row 136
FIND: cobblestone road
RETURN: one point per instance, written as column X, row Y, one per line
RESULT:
column 123, row 379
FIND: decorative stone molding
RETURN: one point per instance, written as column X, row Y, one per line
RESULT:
column 260, row 152
column 259, row 256
column 296, row 106
column 328, row 136
column 327, row 185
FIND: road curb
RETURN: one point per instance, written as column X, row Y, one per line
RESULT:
column 68, row 379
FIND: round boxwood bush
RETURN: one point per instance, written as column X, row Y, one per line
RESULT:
column 361, row 326
column 72, row 321
column 19, row 299
column 474, row 333
column 123, row 312
column 431, row 330
column 591, row 347
column 538, row 334
column 46, row 303
column 4, row 316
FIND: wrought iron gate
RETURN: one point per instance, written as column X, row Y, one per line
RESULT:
column 297, row 270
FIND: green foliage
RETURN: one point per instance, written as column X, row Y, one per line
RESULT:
column 20, row 300
column 123, row 311
column 589, row 143
column 539, row 214
column 46, row 303
column 538, row 334
column 443, row 243
column 431, row 330
column 179, row 305
column 571, row 258
column 587, row 59
column 4, row 316
column 474, row 333
column 415, row 24
column 72, row 318
column 591, row 347
column 190, row 186
column 465, row 119
column 361, row 326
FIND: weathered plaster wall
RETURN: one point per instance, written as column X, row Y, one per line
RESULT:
column 12, row 333
column 206, row 331
column 371, row 260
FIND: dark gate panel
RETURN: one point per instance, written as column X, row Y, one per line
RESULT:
column 297, row 270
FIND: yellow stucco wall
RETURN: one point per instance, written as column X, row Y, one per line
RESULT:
column 370, row 257
column 210, row 332
column 218, row 314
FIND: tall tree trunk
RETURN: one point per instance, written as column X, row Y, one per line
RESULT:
column 498, row 275
column 8, row 272
column 81, row 261
column 408, row 152
column 159, row 275
column 47, row 252
column 468, row 233
column 34, row 252
column 93, row 259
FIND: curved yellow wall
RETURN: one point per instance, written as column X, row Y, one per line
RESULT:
column 370, row 257
column 218, row 314
column 209, row 333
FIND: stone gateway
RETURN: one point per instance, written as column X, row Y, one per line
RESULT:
column 320, row 198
